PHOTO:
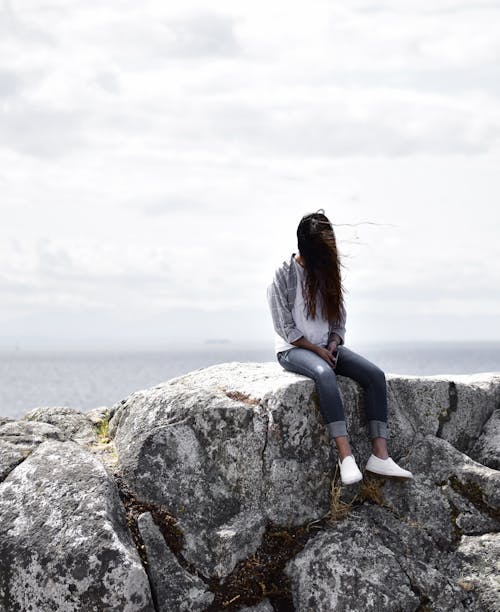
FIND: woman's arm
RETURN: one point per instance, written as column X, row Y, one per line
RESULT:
column 337, row 331
column 335, row 339
column 283, row 321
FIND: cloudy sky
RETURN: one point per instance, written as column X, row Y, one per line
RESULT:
column 156, row 158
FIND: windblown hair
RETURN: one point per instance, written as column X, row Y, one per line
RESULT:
column 318, row 249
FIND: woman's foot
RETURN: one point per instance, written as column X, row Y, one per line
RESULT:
column 349, row 471
column 381, row 464
column 343, row 447
column 379, row 448
column 386, row 467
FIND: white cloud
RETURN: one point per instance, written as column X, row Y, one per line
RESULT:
column 156, row 158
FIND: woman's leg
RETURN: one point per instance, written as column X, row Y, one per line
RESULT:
column 303, row 361
column 372, row 379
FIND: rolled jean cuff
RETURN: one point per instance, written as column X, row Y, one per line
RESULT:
column 337, row 428
column 378, row 429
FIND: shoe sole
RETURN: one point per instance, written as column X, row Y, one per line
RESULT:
column 390, row 476
column 350, row 482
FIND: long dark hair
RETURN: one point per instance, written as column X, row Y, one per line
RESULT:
column 318, row 250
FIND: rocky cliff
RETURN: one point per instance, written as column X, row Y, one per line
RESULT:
column 218, row 490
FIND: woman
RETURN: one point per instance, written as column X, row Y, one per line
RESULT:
column 307, row 307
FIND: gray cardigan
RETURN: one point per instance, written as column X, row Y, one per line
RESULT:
column 281, row 298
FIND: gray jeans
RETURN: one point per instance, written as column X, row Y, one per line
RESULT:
column 352, row 365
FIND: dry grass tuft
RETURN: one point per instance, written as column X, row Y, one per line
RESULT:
column 371, row 490
column 339, row 509
column 102, row 431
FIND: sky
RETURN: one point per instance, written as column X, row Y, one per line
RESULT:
column 156, row 159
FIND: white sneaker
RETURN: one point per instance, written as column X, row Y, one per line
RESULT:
column 386, row 467
column 349, row 471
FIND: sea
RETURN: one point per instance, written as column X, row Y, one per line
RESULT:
column 85, row 378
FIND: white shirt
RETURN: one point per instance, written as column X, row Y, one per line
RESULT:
column 315, row 330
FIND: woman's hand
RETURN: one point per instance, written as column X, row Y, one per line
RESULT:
column 326, row 354
column 332, row 346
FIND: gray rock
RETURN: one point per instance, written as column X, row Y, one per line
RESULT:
column 262, row 606
column 231, row 446
column 173, row 587
column 64, row 544
column 415, row 404
column 435, row 462
column 348, row 568
column 225, row 449
column 97, row 415
column 370, row 561
column 74, row 424
column 477, row 563
column 469, row 518
column 473, row 399
column 10, row 456
column 418, row 556
column 19, row 438
column 439, row 497
column 486, row 449
column 454, row 408
column 30, row 434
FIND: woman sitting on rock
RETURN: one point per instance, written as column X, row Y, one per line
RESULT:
column 307, row 307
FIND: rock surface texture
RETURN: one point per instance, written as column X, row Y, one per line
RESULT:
column 180, row 492
column 64, row 543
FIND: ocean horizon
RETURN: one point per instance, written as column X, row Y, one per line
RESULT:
column 85, row 378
